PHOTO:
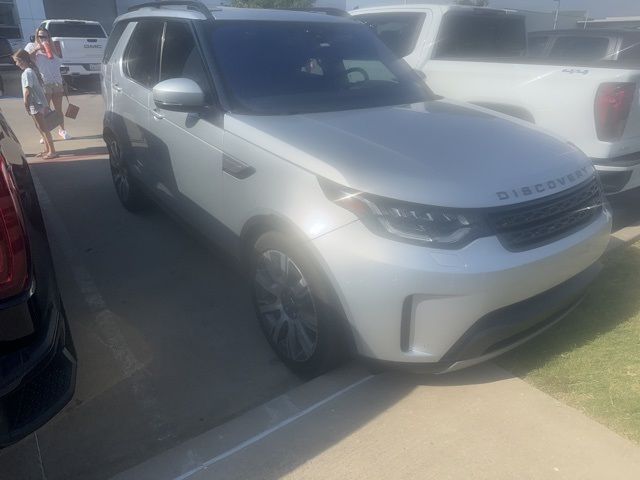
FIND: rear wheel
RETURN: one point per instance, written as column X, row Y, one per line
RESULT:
column 294, row 307
column 128, row 191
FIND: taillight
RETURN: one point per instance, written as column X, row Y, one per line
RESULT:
column 613, row 105
column 58, row 48
column 14, row 261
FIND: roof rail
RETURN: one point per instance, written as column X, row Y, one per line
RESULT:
column 190, row 4
column 334, row 12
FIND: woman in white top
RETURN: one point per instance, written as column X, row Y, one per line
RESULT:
column 49, row 64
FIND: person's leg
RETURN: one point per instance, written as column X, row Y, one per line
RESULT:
column 48, row 94
column 57, row 105
column 39, row 119
column 42, row 137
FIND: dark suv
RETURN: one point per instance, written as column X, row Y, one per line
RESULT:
column 37, row 357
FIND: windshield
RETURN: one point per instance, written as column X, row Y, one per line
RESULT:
column 295, row 67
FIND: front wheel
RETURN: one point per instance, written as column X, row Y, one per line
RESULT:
column 128, row 191
column 294, row 306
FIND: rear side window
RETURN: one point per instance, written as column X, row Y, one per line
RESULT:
column 9, row 20
column 630, row 53
column 481, row 35
column 537, row 46
column 76, row 30
column 141, row 59
column 580, row 48
column 398, row 31
column 114, row 38
column 5, row 51
column 181, row 57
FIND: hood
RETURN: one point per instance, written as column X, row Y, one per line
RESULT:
column 438, row 153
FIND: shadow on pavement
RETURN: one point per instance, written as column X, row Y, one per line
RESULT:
column 626, row 209
column 167, row 340
column 66, row 155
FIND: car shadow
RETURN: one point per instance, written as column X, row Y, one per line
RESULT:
column 69, row 155
column 626, row 209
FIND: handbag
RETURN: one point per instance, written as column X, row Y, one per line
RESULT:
column 72, row 110
column 52, row 119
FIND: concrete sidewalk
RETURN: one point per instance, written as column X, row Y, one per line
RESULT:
column 478, row 424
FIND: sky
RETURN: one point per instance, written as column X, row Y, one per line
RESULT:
column 596, row 8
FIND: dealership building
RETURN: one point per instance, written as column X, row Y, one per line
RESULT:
column 20, row 18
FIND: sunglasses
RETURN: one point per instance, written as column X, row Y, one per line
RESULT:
column 43, row 36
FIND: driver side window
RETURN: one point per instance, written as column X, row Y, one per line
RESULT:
column 181, row 57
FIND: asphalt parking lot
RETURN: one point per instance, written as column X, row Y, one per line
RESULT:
column 167, row 341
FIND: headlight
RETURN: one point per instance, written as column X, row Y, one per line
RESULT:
column 436, row 227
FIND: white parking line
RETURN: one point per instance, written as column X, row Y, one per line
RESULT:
column 105, row 321
column 269, row 431
column 44, row 477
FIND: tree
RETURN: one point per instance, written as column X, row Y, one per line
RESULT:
column 272, row 3
column 473, row 3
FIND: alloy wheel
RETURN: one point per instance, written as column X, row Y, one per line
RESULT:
column 286, row 306
column 118, row 170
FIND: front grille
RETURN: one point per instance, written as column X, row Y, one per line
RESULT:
column 540, row 222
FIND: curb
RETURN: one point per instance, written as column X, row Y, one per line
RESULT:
column 623, row 238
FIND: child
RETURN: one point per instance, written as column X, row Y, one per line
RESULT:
column 35, row 100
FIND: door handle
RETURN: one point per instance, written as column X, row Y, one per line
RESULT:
column 157, row 115
column 117, row 87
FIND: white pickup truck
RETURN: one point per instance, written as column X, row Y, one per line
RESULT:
column 81, row 44
column 479, row 55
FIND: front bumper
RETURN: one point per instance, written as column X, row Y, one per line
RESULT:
column 620, row 173
column 40, row 380
column 411, row 304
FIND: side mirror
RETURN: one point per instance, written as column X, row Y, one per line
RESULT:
column 420, row 73
column 180, row 94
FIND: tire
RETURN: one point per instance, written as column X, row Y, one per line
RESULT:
column 127, row 189
column 294, row 306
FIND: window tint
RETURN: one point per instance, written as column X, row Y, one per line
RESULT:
column 77, row 30
column 114, row 38
column 142, row 55
column 580, row 48
column 398, row 31
column 471, row 35
column 181, row 58
column 537, row 45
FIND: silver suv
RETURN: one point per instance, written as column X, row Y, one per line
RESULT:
column 371, row 214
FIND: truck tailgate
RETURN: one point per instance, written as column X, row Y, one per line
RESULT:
column 81, row 50
column 560, row 99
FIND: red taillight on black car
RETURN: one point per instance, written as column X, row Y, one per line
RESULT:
column 613, row 105
column 14, row 253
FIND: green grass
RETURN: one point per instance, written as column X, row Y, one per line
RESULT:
column 591, row 360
